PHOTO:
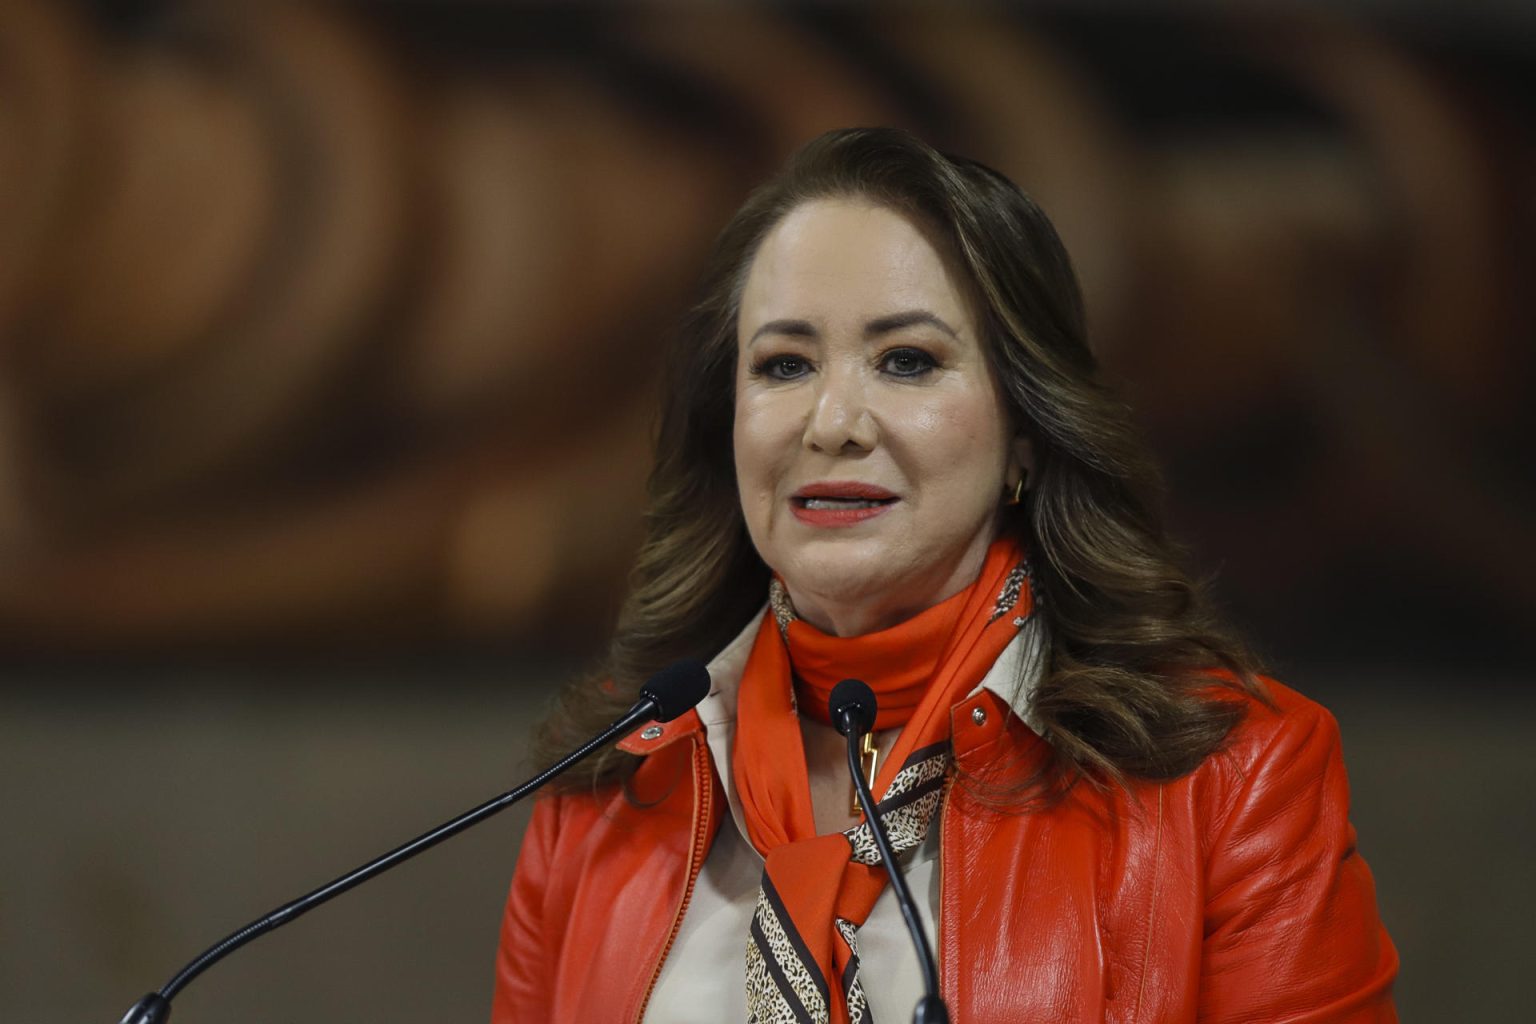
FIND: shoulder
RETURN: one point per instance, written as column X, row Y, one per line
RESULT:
column 1276, row 723
column 1289, row 917
column 558, row 818
column 1285, row 756
column 566, row 823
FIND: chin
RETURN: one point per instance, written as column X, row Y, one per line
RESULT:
column 845, row 588
column 841, row 580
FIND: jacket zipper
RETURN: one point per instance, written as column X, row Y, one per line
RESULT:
column 703, row 794
column 942, row 924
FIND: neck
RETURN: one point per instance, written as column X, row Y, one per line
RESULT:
column 854, row 619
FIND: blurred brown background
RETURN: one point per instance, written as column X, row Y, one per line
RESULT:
column 328, row 340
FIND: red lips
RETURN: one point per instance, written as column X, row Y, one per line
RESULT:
column 840, row 503
column 850, row 489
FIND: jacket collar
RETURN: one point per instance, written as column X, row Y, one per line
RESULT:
column 1009, row 686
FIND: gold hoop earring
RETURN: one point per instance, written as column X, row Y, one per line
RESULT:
column 1017, row 497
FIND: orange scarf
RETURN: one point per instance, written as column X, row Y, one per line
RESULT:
column 802, row 954
column 897, row 663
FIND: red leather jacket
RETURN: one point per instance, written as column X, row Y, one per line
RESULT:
column 1232, row 894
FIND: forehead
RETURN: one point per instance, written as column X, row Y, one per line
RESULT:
column 834, row 259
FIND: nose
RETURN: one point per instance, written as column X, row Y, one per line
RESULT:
column 840, row 418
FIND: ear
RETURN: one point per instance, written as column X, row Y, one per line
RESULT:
column 1021, row 460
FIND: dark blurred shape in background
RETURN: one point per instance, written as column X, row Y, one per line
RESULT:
column 329, row 335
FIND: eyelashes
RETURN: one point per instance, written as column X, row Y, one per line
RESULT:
column 908, row 362
column 780, row 367
column 903, row 362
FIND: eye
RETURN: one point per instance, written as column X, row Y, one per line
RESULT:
column 907, row 362
column 781, row 367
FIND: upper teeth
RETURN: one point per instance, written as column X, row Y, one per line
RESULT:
column 829, row 503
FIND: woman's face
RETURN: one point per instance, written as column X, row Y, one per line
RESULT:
column 872, row 443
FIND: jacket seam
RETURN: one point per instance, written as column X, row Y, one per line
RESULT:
column 1157, row 888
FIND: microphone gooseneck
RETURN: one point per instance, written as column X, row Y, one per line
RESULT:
column 852, row 708
column 666, row 695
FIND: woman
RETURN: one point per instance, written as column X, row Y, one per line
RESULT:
column 886, row 453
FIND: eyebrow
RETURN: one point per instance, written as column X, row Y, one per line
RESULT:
column 901, row 321
column 873, row 329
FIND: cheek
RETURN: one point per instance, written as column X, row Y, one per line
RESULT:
column 756, row 446
column 757, row 471
column 962, row 442
column 743, row 441
column 959, row 427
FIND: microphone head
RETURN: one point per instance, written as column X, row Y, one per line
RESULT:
column 676, row 688
column 852, row 705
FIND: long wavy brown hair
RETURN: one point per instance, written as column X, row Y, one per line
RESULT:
column 1127, row 688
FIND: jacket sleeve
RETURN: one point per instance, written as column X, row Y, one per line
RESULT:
column 1291, row 928
column 530, row 940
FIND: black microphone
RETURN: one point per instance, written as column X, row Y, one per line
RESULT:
column 852, row 707
column 665, row 696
